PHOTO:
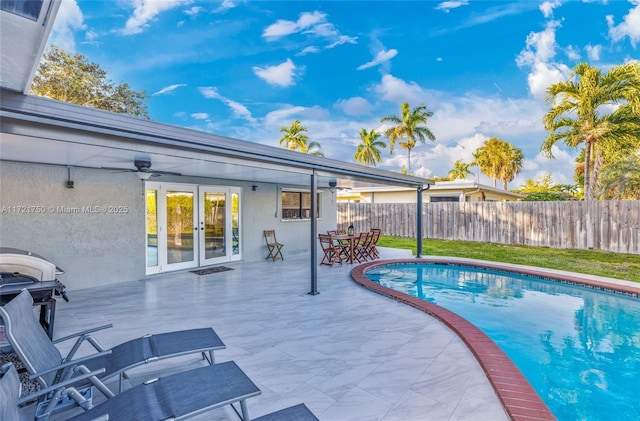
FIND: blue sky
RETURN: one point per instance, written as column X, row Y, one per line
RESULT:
column 245, row 68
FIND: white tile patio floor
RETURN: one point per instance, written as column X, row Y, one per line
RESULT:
column 347, row 353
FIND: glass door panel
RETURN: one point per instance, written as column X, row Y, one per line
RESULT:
column 213, row 224
column 152, row 228
column 181, row 226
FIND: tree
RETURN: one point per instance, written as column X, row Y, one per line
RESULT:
column 499, row 160
column 72, row 78
column 460, row 170
column 544, row 185
column 512, row 158
column 368, row 152
column 596, row 110
column 295, row 139
column 621, row 180
column 410, row 125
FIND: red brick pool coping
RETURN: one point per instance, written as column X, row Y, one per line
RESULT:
column 519, row 399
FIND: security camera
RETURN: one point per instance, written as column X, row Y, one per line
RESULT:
column 332, row 184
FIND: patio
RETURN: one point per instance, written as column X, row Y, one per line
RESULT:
column 347, row 353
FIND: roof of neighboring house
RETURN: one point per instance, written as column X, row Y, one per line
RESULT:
column 439, row 187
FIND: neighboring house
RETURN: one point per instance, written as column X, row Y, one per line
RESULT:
column 112, row 198
column 441, row 191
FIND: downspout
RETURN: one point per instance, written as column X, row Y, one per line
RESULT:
column 419, row 221
column 314, row 234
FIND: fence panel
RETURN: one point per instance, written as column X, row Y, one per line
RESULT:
column 603, row 225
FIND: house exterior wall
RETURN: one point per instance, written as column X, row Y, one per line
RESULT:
column 96, row 230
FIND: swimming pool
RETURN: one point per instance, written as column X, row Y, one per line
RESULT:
column 578, row 347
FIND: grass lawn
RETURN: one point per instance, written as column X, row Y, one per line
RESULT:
column 592, row 262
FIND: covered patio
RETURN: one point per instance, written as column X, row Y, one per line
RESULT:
column 347, row 353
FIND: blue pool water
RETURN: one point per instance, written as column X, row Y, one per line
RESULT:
column 578, row 347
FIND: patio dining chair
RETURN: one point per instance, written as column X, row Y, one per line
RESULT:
column 274, row 247
column 332, row 252
column 362, row 245
column 43, row 360
column 373, row 250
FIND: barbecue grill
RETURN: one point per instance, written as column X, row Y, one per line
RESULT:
column 21, row 269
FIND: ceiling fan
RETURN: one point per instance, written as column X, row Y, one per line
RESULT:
column 143, row 170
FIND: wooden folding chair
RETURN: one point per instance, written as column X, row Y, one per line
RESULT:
column 332, row 254
column 274, row 247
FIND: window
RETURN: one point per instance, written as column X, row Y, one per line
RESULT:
column 297, row 205
column 435, row 199
column 29, row 9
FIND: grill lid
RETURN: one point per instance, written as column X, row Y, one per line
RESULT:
column 22, row 263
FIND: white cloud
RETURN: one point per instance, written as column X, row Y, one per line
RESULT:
column 194, row 11
column 446, row 6
column 343, row 39
column 593, row 52
column 200, row 116
column 354, row 106
column 168, row 89
column 381, row 57
column 308, row 50
column 397, row 90
column 284, row 116
column 544, row 75
column 573, row 53
column 279, row 75
column 547, row 7
column 287, row 27
column 239, row 110
column 629, row 27
column 68, row 21
column 226, row 5
column 540, row 46
column 145, row 11
column 313, row 24
column 538, row 54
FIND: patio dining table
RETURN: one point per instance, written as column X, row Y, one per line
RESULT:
column 352, row 240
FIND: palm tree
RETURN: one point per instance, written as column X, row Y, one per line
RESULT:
column 621, row 180
column 499, row 160
column 313, row 148
column 294, row 137
column 408, row 126
column 579, row 115
column 512, row 158
column 460, row 170
column 368, row 152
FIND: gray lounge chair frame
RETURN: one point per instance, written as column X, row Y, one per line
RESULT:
column 175, row 397
column 40, row 355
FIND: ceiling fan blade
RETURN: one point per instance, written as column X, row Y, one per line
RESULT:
column 118, row 169
column 165, row 172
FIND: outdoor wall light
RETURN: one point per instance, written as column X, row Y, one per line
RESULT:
column 69, row 182
column 254, row 188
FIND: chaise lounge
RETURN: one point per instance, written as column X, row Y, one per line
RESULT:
column 41, row 357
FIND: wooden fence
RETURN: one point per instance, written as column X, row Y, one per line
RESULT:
column 604, row 225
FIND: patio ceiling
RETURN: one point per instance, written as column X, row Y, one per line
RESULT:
column 42, row 130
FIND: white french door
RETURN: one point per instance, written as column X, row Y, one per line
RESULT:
column 190, row 225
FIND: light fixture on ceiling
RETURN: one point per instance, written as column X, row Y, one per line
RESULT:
column 332, row 185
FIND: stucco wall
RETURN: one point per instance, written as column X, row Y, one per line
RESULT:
column 96, row 231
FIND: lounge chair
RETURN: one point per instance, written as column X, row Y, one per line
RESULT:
column 178, row 396
column 40, row 355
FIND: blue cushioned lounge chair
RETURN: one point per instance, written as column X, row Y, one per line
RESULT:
column 175, row 397
column 40, row 355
